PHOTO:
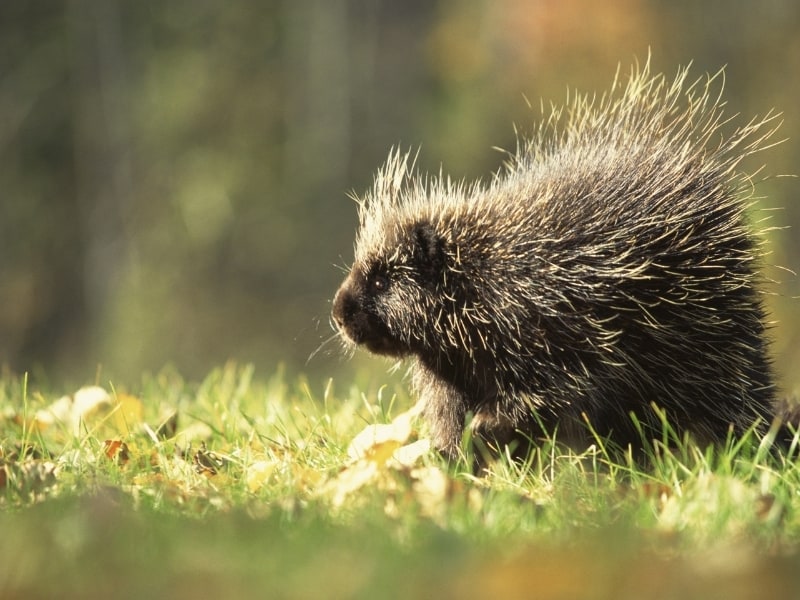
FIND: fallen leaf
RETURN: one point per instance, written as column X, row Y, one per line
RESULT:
column 378, row 452
column 59, row 411
column 207, row 462
column 89, row 400
column 117, row 451
column 69, row 411
column 351, row 480
column 409, row 455
column 29, row 476
column 21, row 451
column 128, row 414
column 196, row 432
column 168, row 427
column 258, row 473
column 769, row 509
column 377, row 442
column 431, row 488
column 93, row 407
column 377, row 439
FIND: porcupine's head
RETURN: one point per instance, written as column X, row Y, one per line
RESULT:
column 443, row 271
column 393, row 300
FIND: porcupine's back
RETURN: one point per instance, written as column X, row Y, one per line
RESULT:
column 610, row 267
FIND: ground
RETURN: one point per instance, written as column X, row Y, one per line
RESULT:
column 259, row 486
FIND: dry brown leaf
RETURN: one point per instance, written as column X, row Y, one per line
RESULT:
column 206, row 462
column 29, row 476
column 168, row 427
column 117, row 450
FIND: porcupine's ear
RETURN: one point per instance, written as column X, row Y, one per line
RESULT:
column 429, row 252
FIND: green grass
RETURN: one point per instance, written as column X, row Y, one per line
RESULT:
column 242, row 486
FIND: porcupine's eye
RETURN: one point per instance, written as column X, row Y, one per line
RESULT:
column 378, row 283
column 377, row 280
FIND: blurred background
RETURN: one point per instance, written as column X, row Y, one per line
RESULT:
column 174, row 175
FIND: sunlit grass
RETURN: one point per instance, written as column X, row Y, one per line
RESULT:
column 244, row 485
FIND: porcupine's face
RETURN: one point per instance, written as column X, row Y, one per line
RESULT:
column 385, row 304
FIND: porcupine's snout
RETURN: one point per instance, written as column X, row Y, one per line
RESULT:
column 346, row 311
column 356, row 316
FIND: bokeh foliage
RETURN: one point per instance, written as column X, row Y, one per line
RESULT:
column 174, row 174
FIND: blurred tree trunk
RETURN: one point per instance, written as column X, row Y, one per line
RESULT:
column 317, row 125
column 103, row 149
column 41, row 295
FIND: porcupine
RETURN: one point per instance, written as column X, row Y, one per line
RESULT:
column 605, row 276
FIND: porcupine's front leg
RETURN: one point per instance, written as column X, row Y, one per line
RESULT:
column 444, row 408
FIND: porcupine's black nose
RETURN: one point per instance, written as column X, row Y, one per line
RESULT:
column 360, row 324
column 340, row 302
column 346, row 309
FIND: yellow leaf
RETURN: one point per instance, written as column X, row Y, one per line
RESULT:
column 431, row 487
column 382, row 452
column 374, row 441
column 409, row 454
column 258, row 473
column 352, row 479
column 369, row 441
column 127, row 415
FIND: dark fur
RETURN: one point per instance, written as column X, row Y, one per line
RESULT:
column 608, row 269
